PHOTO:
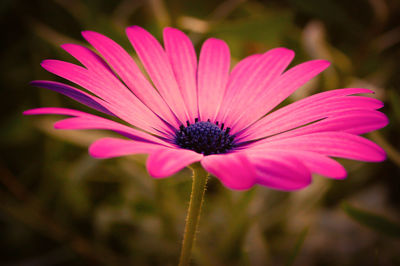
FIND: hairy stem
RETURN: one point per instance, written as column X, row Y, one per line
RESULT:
column 196, row 200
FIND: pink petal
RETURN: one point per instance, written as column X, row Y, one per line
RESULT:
column 89, row 59
column 252, row 80
column 129, row 72
column 182, row 57
column 234, row 170
column 162, row 162
column 241, row 170
column 308, row 110
column 167, row 161
column 55, row 110
column 96, row 123
column 80, row 76
column 290, row 81
column 106, row 86
column 113, row 147
column 353, row 121
column 280, row 171
column 212, row 77
column 315, row 162
column 83, row 120
column 78, row 95
column 157, row 65
column 121, row 101
column 101, row 72
column 235, row 79
column 336, row 144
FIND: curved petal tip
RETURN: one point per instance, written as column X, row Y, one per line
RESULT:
column 166, row 162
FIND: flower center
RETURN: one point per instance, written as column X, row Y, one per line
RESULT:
column 204, row 137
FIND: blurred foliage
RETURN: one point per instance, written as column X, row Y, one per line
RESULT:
column 59, row 206
column 375, row 222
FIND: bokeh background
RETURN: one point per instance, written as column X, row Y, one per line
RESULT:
column 59, row 206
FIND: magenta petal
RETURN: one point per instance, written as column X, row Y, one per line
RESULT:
column 78, row 95
column 241, row 170
column 97, row 123
column 336, row 144
column 310, row 109
column 162, row 162
column 235, row 79
column 321, row 165
column 88, row 121
column 128, row 71
column 315, row 162
column 99, row 84
column 248, row 83
column 121, row 101
column 89, row 59
column 165, row 162
column 354, row 122
column 78, row 75
column 212, row 77
column 113, row 147
column 55, row 110
column 234, row 170
column 182, row 56
column 280, row 171
column 158, row 66
column 290, row 81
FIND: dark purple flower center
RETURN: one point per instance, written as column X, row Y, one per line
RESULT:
column 205, row 137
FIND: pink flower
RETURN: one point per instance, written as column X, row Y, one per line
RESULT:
column 203, row 112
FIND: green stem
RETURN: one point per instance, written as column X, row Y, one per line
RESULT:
column 192, row 219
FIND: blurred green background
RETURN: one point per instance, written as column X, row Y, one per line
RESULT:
column 59, row 206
